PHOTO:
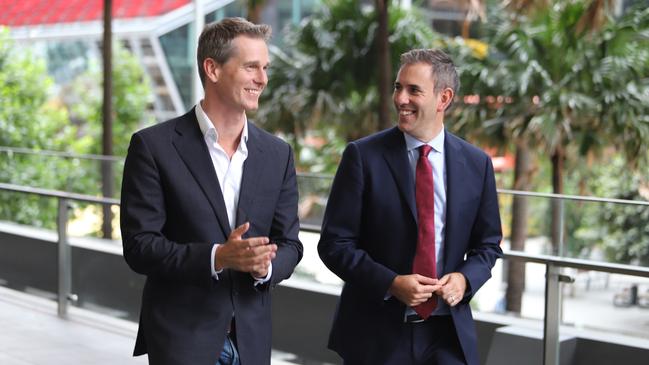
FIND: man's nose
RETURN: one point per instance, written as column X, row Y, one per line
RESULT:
column 400, row 97
column 262, row 77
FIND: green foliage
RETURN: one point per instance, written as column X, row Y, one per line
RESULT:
column 552, row 81
column 548, row 80
column 326, row 74
column 131, row 98
column 28, row 120
column 31, row 117
column 620, row 229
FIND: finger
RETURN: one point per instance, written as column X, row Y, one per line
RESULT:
column 427, row 289
column 256, row 241
column 239, row 231
column 425, row 279
column 444, row 279
column 442, row 291
column 422, row 296
column 452, row 299
column 261, row 251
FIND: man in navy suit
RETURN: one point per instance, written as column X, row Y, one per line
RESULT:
column 209, row 213
column 375, row 233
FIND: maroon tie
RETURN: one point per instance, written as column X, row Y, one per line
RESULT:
column 424, row 263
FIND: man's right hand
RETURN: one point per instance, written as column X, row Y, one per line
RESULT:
column 413, row 289
column 251, row 255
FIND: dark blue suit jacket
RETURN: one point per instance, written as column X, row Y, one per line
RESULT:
column 172, row 211
column 369, row 236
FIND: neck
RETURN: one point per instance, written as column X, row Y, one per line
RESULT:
column 228, row 124
column 429, row 135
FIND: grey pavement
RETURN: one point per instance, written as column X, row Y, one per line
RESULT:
column 32, row 334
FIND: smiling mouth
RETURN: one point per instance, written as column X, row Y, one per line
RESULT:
column 406, row 112
column 253, row 91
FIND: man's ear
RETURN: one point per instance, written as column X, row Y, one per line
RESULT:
column 445, row 99
column 212, row 70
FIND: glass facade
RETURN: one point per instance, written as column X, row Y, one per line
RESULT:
column 66, row 60
column 179, row 52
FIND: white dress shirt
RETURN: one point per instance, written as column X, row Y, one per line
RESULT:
column 436, row 159
column 229, row 172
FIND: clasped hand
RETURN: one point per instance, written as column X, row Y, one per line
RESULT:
column 416, row 289
column 252, row 255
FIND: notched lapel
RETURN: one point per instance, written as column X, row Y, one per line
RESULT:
column 455, row 182
column 191, row 147
column 253, row 173
column 396, row 156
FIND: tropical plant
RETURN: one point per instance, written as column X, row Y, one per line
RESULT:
column 32, row 116
column 620, row 230
column 325, row 76
column 28, row 118
column 558, row 80
column 132, row 98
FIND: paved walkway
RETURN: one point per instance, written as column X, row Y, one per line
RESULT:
column 32, row 334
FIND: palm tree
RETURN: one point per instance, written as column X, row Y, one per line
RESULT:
column 563, row 84
column 326, row 74
column 253, row 10
column 384, row 67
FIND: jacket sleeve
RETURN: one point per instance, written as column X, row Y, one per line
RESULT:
column 286, row 226
column 143, row 216
column 339, row 246
column 486, row 234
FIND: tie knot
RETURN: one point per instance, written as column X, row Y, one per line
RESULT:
column 424, row 150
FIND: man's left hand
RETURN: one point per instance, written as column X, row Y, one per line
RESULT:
column 453, row 288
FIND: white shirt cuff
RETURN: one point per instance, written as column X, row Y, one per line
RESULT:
column 259, row 281
column 215, row 274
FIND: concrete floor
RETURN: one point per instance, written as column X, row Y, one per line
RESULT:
column 32, row 334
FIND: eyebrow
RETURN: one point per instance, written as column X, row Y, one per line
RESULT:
column 397, row 83
column 255, row 63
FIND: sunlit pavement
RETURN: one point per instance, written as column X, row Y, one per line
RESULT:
column 32, row 334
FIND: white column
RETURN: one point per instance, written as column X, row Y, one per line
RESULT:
column 199, row 24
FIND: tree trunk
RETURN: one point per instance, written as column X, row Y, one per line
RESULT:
column 558, row 157
column 254, row 10
column 107, row 185
column 516, row 269
column 384, row 69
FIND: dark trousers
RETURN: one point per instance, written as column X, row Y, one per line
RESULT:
column 432, row 342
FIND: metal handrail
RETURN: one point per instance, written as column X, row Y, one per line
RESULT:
column 572, row 197
column 29, row 151
column 58, row 194
column 64, row 267
column 579, row 264
column 325, row 176
column 553, row 279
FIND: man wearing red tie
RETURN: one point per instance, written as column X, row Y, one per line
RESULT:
column 412, row 227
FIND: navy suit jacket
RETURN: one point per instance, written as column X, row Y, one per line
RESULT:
column 172, row 212
column 369, row 236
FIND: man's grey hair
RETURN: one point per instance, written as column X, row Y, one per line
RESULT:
column 444, row 73
column 215, row 41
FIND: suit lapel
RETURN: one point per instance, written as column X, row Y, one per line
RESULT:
column 396, row 156
column 190, row 144
column 455, row 181
column 253, row 172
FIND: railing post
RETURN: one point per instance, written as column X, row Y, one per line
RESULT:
column 552, row 315
column 562, row 226
column 64, row 267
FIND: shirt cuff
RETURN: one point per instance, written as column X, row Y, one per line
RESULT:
column 259, row 281
column 215, row 274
